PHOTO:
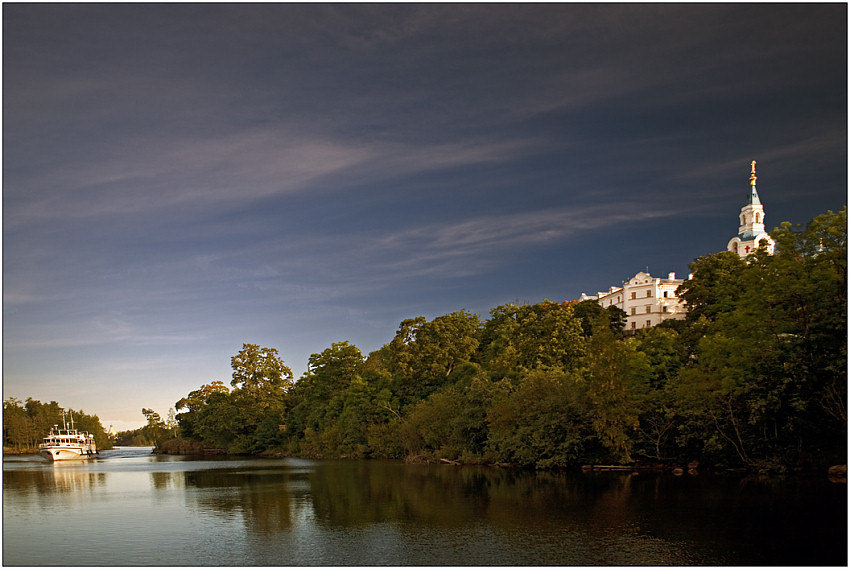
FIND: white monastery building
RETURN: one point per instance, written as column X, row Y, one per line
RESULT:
column 649, row 301
column 751, row 233
column 646, row 300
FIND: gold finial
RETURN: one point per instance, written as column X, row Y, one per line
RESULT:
column 753, row 173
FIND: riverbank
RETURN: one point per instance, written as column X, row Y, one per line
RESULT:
column 19, row 451
column 836, row 473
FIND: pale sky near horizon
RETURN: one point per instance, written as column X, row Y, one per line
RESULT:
column 180, row 179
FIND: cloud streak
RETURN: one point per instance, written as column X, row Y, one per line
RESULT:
column 210, row 173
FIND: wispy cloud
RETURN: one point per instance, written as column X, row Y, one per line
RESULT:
column 467, row 247
column 212, row 172
column 813, row 149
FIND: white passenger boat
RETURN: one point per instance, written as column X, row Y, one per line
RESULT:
column 67, row 444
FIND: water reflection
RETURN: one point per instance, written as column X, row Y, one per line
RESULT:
column 657, row 519
column 58, row 479
column 295, row 512
column 165, row 480
column 261, row 497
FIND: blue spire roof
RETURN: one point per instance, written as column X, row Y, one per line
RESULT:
column 753, row 197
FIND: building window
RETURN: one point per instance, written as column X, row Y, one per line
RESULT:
column 648, row 293
column 634, row 295
column 665, row 294
column 648, row 323
column 648, row 309
column 634, row 310
column 633, row 325
column 664, row 309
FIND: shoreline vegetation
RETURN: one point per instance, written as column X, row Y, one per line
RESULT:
column 754, row 379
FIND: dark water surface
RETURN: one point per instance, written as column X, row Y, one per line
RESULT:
column 131, row 508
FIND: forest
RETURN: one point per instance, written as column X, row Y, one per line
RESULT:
column 755, row 377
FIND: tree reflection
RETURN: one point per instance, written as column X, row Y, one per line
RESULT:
column 347, row 494
column 613, row 518
column 262, row 498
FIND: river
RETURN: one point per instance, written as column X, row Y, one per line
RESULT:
column 129, row 507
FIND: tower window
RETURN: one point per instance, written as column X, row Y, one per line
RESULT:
column 665, row 294
column 648, row 309
column 648, row 293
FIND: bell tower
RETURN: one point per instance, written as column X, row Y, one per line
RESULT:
column 751, row 233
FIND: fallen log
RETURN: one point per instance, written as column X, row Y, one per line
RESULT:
column 604, row 467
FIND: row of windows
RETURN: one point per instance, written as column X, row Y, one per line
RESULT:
column 649, row 310
column 664, row 294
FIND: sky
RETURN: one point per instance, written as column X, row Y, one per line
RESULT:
column 182, row 179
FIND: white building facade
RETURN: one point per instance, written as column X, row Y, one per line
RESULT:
column 647, row 301
column 751, row 233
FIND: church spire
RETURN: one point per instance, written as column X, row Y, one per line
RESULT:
column 753, row 198
column 751, row 233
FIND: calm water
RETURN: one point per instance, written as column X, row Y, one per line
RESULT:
column 131, row 508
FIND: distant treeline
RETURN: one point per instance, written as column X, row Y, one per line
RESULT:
column 151, row 434
column 26, row 423
column 754, row 377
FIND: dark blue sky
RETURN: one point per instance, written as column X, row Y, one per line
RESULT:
column 180, row 179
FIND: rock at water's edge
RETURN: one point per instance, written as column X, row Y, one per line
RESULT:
column 838, row 471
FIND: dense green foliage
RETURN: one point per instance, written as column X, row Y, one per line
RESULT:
column 246, row 418
column 26, row 423
column 754, row 377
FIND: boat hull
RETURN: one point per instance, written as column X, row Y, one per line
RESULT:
column 57, row 454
